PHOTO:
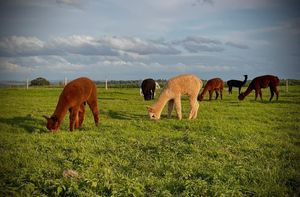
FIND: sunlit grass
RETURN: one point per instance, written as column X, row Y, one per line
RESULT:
column 233, row 148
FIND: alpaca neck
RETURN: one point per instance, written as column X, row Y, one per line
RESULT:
column 204, row 91
column 249, row 90
column 61, row 110
column 245, row 80
column 161, row 102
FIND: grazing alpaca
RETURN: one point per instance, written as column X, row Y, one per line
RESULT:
column 73, row 98
column 157, row 85
column 215, row 84
column 236, row 83
column 148, row 89
column 262, row 82
column 183, row 84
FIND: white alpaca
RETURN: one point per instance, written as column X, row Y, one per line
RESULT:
column 157, row 86
column 187, row 84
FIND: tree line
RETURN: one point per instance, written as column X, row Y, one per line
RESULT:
column 40, row 81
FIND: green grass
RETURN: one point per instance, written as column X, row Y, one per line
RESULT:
column 233, row 148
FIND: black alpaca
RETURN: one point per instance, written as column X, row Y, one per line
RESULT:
column 148, row 89
column 236, row 83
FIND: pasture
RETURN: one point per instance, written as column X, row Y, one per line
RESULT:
column 233, row 148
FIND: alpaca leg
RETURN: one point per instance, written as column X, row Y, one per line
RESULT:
column 221, row 94
column 81, row 114
column 210, row 94
column 260, row 94
column 94, row 108
column 272, row 94
column 170, row 107
column 141, row 92
column 240, row 90
column 92, row 102
column 277, row 93
column 194, row 105
column 74, row 118
column 256, row 94
column 217, row 94
column 77, row 121
column 230, row 89
column 71, row 120
column 274, row 90
column 178, row 107
column 196, row 110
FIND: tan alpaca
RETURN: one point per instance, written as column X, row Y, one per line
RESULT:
column 187, row 84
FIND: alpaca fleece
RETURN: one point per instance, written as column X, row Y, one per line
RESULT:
column 73, row 98
column 186, row 84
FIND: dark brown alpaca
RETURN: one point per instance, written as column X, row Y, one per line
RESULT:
column 212, row 85
column 262, row 82
column 148, row 89
column 73, row 99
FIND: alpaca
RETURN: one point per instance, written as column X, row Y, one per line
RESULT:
column 157, row 85
column 148, row 89
column 215, row 84
column 262, row 82
column 236, row 83
column 73, row 98
column 186, row 84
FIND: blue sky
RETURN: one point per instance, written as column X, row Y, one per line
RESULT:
column 133, row 39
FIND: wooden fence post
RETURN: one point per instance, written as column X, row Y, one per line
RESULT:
column 65, row 81
column 106, row 85
column 286, row 85
column 27, row 83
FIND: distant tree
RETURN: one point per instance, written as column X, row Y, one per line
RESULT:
column 39, row 82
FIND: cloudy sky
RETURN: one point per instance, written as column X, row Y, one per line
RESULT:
column 134, row 39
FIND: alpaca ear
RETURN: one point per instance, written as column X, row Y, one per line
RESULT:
column 46, row 117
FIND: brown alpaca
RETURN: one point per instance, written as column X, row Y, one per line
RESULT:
column 262, row 82
column 180, row 85
column 212, row 85
column 73, row 99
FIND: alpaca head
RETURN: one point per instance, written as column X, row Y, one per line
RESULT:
column 200, row 97
column 241, row 96
column 148, row 95
column 153, row 114
column 52, row 123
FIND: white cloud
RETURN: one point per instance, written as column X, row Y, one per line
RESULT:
column 6, row 66
column 73, row 41
column 19, row 45
column 83, row 45
column 138, row 46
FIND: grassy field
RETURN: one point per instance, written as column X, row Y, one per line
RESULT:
column 233, row 148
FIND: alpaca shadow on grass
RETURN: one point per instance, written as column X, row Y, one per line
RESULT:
column 265, row 101
column 207, row 100
column 110, row 98
column 124, row 115
column 287, row 102
column 28, row 123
